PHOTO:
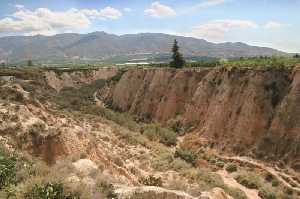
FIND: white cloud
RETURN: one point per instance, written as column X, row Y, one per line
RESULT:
column 275, row 25
column 216, row 30
column 127, row 9
column 159, row 10
column 209, row 3
column 47, row 22
column 19, row 6
column 204, row 5
column 106, row 13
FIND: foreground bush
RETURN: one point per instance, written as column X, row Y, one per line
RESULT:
column 7, row 169
column 49, row 191
column 151, row 181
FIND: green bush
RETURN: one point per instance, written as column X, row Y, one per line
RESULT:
column 118, row 76
column 176, row 125
column 220, row 164
column 49, row 191
column 212, row 160
column 186, row 155
column 155, row 132
column 231, row 167
column 163, row 161
column 275, row 183
column 209, row 179
column 235, row 193
column 249, row 180
column 204, row 63
column 288, row 190
column 151, row 181
column 266, row 193
column 168, row 138
column 7, row 169
column 180, row 165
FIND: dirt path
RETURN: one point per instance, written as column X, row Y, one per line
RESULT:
column 231, row 182
column 97, row 101
column 272, row 171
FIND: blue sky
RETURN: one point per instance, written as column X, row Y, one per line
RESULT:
column 272, row 23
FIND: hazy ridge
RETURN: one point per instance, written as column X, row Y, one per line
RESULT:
column 101, row 46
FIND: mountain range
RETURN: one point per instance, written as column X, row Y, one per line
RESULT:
column 103, row 46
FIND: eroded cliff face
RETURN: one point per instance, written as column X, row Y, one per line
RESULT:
column 77, row 78
column 239, row 110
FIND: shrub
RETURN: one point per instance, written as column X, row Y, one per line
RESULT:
column 186, row 155
column 7, row 169
column 155, row 132
column 105, row 186
column 266, row 193
column 36, row 131
column 179, row 164
column 288, row 190
column 151, row 181
column 269, row 177
column 249, row 180
column 151, row 132
column 212, row 160
column 118, row 76
column 175, row 125
column 209, row 179
column 235, row 193
column 231, row 168
column 163, row 162
column 220, row 164
column 275, row 183
column 168, row 138
column 49, row 191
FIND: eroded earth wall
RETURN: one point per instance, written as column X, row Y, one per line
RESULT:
column 239, row 110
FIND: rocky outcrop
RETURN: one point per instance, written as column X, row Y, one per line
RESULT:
column 238, row 110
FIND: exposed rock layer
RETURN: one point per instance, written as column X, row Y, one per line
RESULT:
column 239, row 110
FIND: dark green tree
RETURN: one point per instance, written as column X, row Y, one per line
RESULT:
column 297, row 56
column 177, row 58
column 29, row 63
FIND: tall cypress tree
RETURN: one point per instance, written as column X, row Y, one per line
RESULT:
column 178, row 61
column 29, row 63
